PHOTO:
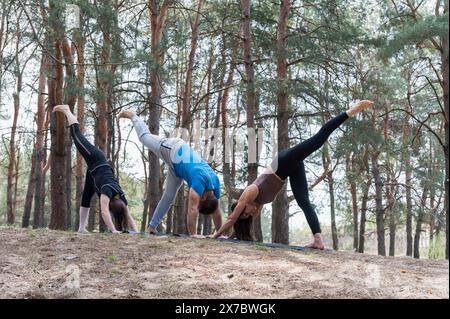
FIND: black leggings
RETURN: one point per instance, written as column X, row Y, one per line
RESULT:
column 100, row 177
column 91, row 154
column 290, row 164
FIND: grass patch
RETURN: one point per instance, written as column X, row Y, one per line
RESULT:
column 111, row 259
column 31, row 233
column 260, row 247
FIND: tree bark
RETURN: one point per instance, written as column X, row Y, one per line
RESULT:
column 392, row 217
column 252, row 165
column 186, row 118
column 104, row 77
column 408, row 171
column 70, row 98
column 79, row 43
column 280, row 207
column 326, row 159
column 419, row 222
column 30, row 192
column 445, row 77
column 58, row 127
column 5, row 9
column 39, row 191
column 157, row 19
column 362, row 224
column 12, row 166
column 353, row 192
column 379, row 204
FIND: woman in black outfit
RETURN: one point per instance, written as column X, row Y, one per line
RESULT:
column 266, row 187
column 100, row 179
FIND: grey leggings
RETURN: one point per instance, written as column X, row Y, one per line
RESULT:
column 161, row 147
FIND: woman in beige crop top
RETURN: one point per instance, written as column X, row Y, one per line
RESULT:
column 266, row 187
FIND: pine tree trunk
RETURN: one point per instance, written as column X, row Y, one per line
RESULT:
column 186, row 118
column 200, row 223
column 169, row 225
column 39, row 191
column 4, row 16
column 408, row 173
column 353, row 192
column 70, row 99
column 252, row 165
column 144, row 221
column 30, row 192
column 104, row 76
column 280, row 206
column 157, row 18
column 58, row 127
column 12, row 163
column 179, row 220
column 445, row 78
column 334, row 232
column 93, row 214
column 362, row 224
column 379, row 204
column 79, row 166
column 207, row 225
column 12, row 167
column 419, row 222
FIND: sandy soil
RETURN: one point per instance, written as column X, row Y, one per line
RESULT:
column 50, row 264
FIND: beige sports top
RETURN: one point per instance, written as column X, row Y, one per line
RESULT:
column 269, row 185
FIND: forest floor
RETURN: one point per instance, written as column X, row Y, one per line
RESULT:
column 52, row 264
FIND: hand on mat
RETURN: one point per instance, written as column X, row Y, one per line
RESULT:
column 151, row 230
column 198, row 236
column 220, row 237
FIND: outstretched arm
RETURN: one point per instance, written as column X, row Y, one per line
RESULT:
column 130, row 221
column 104, row 207
column 231, row 219
column 248, row 196
column 217, row 219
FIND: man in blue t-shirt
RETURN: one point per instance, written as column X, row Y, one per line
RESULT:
column 184, row 165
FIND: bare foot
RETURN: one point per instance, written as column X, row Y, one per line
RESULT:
column 315, row 246
column 61, row 108
column 83, row 231
column 317, row 242
column 126, row 114
column 358, row 107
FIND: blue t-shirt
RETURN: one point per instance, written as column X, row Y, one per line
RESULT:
column 199, row 176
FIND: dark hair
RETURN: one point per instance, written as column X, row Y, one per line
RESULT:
column 118, row 210
column 243, row 228
column 209, row 205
